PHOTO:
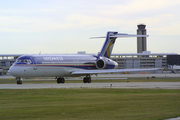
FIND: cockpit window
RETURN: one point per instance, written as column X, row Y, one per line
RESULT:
column 24, row 61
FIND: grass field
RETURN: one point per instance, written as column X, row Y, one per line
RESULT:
column 89, row 104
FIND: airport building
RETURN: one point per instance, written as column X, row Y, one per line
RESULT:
column 141, row 59
column 6, row 60
column 144, row 60
column 141, row 41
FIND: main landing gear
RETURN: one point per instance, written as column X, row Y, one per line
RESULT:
column 87, row 79
column 19, row 82
column 60, row 80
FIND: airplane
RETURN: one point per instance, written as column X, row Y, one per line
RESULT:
column 68, row 65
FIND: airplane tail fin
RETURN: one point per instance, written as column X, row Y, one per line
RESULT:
column 110, row 40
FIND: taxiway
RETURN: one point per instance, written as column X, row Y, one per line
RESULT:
column 126, row 85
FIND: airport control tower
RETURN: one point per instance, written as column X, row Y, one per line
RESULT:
column 141, row 41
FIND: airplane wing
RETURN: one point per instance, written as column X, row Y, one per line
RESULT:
column 83, row 72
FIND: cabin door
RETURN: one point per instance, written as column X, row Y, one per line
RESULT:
column 34, row 64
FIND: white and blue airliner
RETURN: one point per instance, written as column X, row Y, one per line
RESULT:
column 64, row 65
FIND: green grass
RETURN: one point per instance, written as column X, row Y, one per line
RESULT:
column 25, row 81
column 89, row 104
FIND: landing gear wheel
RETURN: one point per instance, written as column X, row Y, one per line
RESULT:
column 60, row 80
column 19, row 82
column 84, row 80
column 87, row 79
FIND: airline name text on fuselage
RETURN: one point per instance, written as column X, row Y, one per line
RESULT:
column 53, row 58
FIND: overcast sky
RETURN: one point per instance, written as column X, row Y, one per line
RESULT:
column 58, row 26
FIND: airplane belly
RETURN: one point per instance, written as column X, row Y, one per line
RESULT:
column 29, row 71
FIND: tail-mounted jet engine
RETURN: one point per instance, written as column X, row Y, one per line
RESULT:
column 101, row 64
column 105, row 63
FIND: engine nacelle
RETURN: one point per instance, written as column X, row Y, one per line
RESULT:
column 101, row 64
column 106, row 63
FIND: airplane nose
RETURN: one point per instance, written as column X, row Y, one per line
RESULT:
column 116, row 65
column 12, row 71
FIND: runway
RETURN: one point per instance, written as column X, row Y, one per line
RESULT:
column 126, row 85
column 122, row 85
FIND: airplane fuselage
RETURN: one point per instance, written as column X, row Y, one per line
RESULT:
column 57, row 65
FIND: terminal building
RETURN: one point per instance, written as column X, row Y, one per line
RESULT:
column 6, row 60
column 141, row 59
column 144, row 60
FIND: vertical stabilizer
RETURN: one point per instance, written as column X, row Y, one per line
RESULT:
column 108, row 45
column 110, row 40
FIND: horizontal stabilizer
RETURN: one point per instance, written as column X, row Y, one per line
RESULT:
column 121, row 35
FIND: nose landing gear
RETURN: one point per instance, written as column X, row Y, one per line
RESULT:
column 19, row 82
